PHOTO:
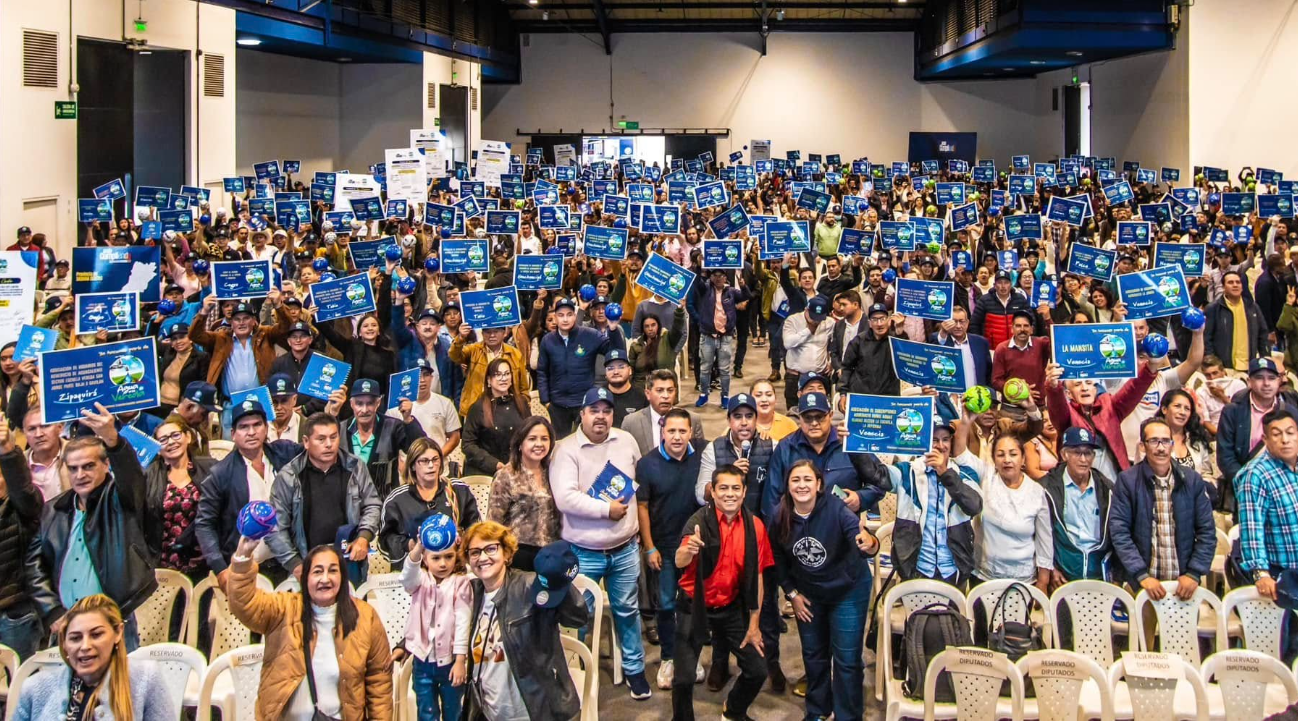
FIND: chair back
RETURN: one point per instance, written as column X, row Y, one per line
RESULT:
column 228, row 633
column 1059, row 677
column 219, row 449
column 39, row 661
column 585, row 675
column 1178, row 621
column 1243, row 677
column 1260, row 619
column 1151, row 680
column 977, row 676
column 1090, row 607
column 391, row 601
column 244, row 666
column 9, row 663
column 153, row 617
column 177, row 663
column 990, row 593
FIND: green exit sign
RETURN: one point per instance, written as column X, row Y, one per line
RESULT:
column 629, row 124
column 437, row 122
column 65, row 110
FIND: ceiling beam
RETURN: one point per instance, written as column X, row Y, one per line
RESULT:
column 726, row 5
column 683, row 25
column 601, row 19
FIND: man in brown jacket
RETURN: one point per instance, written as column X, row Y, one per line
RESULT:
column 476, row 356
column 227, row 366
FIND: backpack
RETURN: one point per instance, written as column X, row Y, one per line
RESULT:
column 928, row 632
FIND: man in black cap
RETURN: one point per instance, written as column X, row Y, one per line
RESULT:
column 301, row 338
column 867, row 363
column 378, row 440
column 806, row 345
column 26, row 245
column 198, row 400
column 61, row 282
column 243, row 354
column 565, row 367
column 626, row 398
column 1022, row 356
column 1240, row 434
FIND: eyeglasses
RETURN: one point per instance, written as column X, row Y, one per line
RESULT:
column 491, row 549
column 814, row 419
column 171, row 438
column 1159, row 442
column 428, row 462
column 502, row 374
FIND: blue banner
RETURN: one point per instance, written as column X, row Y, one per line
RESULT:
column 152, row 196
column 261, row 394
column 1154, row 293
column 342, row 297
column 1008, row 260
column 1067, row 211
column 94, row 210
column 1134, row 232
column 503, row 222
column 664, row 278
column 553, row 217
column 1094, row 351
column 723, row 254
column 785, row 237
column 118, row 270
column 1189, row 196
column 889, row 424
column 710, row 194
column 112, row 312
column 112, row 190
column 234, row 185
column 538, row 272
column 1156, row 212
column 1023, row 185
column 660, row 219
column 963, row 260
column 122, row 376
column 729, row 223
column 964, row 216
column 1119, row 192
column 1044, row 291
column 368, row 254
column 813, row 200
column 177, row 221
column 854, row 241
column 604, row 242
column 1190, row 256
column 33, row 340
column 241, row 279
column 146, row 449
column 924, row 364
column 403, row 386
column 1238, row 203
column 896, row 235
column 950, row 193
column 494, row 308
column 266, row 170
column 323, row 375
column 1171, row 175
column 465, row 256
column 1018, row 227
column 1272, row 205
column 1091, row 262
column 929, row 299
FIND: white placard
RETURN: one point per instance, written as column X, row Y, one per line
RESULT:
column 17, row 293
column 407, row 175
column 433, row 145
column 493, row 161
column 976, row 661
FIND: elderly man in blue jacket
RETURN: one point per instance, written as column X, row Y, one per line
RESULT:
column 565, row 366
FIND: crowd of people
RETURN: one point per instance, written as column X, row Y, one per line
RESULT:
column 599, row 465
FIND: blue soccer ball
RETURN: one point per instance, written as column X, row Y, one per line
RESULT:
column 201, row 267
column 256, row 520
column 613, row 311
column 166, row 306
column 205, row 219
column 554, row 250
column 392, row 252
column 1155, row 344
column 1214, row 199
column 407, row 285
column 320, row 264
column 438, row 533
column 889, row 275
column 572, row 190
column 432, row 265
column 1192, row 318
column 994, row 211
column 446, row 232
column 619, row 223
column 327, row 277
column 587, row 292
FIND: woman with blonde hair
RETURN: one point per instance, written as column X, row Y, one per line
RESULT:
column 425, row 492
column 96, row 673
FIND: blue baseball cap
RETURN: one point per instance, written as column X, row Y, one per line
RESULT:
column 597, row 395
column 556, row 567
column 204, row 394
column 818, row 307
column 247, row 407
column 742, row 400
column 1077, row 437
column 1257, row 365
column 423, row 365
column 812, row 377
column 615, row 356
column 816, row 402
column 565, row 303
column 178, row 330
column 430, row 314
column 281, row 385
column 301, row 327
column 243, row 309
column 366, row 387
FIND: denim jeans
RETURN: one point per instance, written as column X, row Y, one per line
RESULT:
column 836, row 634
column 24, row 634
column 667, row 579
column 620, row 572
column 723, row 350
column 436, row 697
column 775, row 337
column 131, row 633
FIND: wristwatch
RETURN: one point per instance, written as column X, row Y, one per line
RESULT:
column 791, row 595
column 1260, row 574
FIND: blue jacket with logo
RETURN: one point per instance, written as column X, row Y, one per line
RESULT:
column 565, row 371
column 859, row 472
column 817, row 555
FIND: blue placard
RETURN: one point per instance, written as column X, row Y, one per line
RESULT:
column 177, row 221
column 1044, row 291
column 1267, row 176
column 1238, row 203
column 370, row 208
column 664, row 278
column 494, row 308
column 1045, row 171
column 660, row 219
column 1134, row 232
column 94, row 210
column 962, row 260
column 1007, row 260
column 118, row 270
column 1188, row 196
column 813, row 200
column 1157, row 213
column 729, row 222
column 241, row 279
column 297, row 213
column 266, row 170
column 553, row 217
column 640, row 192
column 292, row 166
column 785, row 237
column 321, row 178
column 1119, row 192
column 896, row 235
column 33, row 340
column 929, row 299
column 146, row 449
column 923, row 364
column 1000, row 199
column 950, row 193
column 233, row 185
column 503, row 222
column 1072, row 212
column 1094, row 351
column 853, row 241
column 1190, row 256
column 111, row 312
column 964, row 216
column 397, row 208
column 1171, row 175
column 465, row 256
column 342, row 297
column 567, row 244
column 709, row 194
column 322, row 193
column 1154, row 293
column 1018, row 227
column 1091, row 262
column 469, row 206
column 604, row 242
column 439, row 214
column 724, row 254
column 122, row 376
column 1243, row 234
column 984, row 174
column 1022, row 163
column 403, row 386
column 1146, row 175
column 112, row 190
column 323, row 375
column 538, row 272
column 1272, row 205
column 368, row 254
column 1023, row 185
column 889, row 424
column 261, row 394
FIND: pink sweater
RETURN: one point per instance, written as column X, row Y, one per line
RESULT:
column 438, row 627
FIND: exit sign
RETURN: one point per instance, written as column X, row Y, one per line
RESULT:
column 437, row 122
column 65, row 110
column 629, row 124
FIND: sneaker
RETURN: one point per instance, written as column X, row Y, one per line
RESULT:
column 725, row 402
column 725, row 715
column 698, row 673
column 666, row 671
column 651, row 634
column 639, row 686
column 719, row 674
column 702, row 401
column 737, row 373
column 800, row 688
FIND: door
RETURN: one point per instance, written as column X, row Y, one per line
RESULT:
column 455, row 120
column 1072, row 120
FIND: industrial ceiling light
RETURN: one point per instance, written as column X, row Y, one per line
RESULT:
column 545, row 14
column 1037, row 62
column 779, row 14
column 248, row 42
column 1075, row 53
column 532, row 2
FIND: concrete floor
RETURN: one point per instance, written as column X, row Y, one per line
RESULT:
column 615, row 704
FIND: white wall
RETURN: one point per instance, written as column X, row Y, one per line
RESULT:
column 380, row 103
column 1241, row 100
column 289, row 108
column 43, row 194
column 815, row 92
column 1140, row 109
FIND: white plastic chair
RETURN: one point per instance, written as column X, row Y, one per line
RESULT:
column 182, row 667
column 977, row 675
column 912, row 595
column 481, row 487
column 881, row 564
column 1216, row 579
column 1246, row 687
column 39, row 661
column 1150, row 686
column 585, row 675
column 219, row 449
column 238, row 672
column 595, row 591
column 1090, row 606
column 1069, row 687
column 228, row 633
column 390, row 600
column 1179, row 621
column 989, row 593
column 1259, row 619
column 153, row 617
column 8, row 662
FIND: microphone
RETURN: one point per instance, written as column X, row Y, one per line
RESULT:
column 744, row 448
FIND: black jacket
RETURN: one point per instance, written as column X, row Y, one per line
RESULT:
column 20, row 519
column 820, row 558
column 223, row 494
column 394, row 438
column 836, row 345
column 485, row 446
column 114, row 533
column 847, row 280
column 1219, row 331
column 530, row 635
column 403, row 511
column 867, row 367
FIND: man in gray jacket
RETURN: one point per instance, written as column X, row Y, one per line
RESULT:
column 323, row 497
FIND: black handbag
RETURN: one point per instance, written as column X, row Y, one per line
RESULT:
column 1015, row 639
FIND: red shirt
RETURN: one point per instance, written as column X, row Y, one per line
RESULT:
column 723, row 585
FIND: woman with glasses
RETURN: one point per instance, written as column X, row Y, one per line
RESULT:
column 492, row 420
column 520, row 493
column 425, row 492
column 173, row 480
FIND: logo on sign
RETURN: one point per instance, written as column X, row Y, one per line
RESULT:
column 502, row 304
column 937, row 299
column 550, row 271
column 677, row 282
column 942, row 366
column 1102, row 263
column 126, row 370
column 475, row 254
column 355, row 292
column 255, row 277
column 909, row 422
column 1113, row 348
column 946, row 146
column 1169, row 288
